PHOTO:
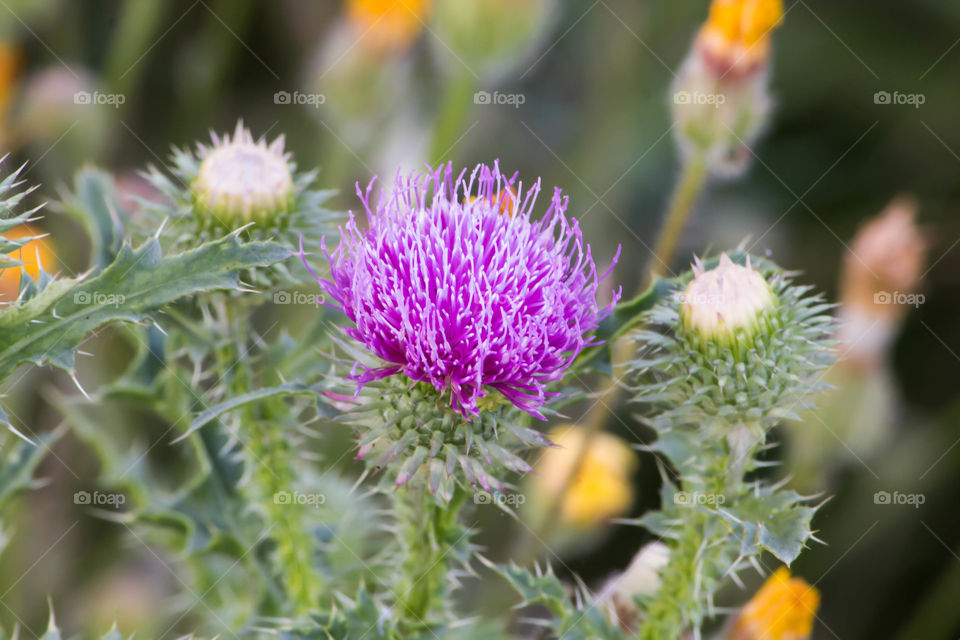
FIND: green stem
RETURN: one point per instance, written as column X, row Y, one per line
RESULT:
column 681, row 204
column 273, row 482
column 455, row 108
column 431, row 539
column 137, row 28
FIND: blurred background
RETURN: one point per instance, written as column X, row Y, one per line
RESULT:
column 579, row 94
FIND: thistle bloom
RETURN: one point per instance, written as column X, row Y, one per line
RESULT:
column 240, row 178
column 783, row 609
column 447, row 290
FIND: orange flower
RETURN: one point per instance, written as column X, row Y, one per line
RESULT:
column 388, row 25
column 506, row 200
column 33, row 254
column 783, row 609
column 736, row 36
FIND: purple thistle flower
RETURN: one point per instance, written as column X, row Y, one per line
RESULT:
column 453, row 283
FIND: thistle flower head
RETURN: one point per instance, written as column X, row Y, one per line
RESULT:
column 736, row 37
column 783, row 608
column 446, row 290
column 241, row 179
column 721, row 300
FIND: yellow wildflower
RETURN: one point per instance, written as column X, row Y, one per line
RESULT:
column 783, row 609
column 736, row 36
column 601, row 490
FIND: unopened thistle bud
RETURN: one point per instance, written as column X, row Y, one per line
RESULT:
column 721, row 301
column 783, row 609
column 744, row 342
column 241, row 179
column 720, row 96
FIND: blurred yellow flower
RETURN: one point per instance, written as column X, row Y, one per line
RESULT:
column 783, row 609
column 388, row 25
column 33, row 254
column 601, row 490
column 736, row 36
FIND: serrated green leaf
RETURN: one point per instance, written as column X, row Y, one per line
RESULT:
column 139, row 281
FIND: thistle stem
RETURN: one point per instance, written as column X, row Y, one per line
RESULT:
column 685, row 195
column 273, row 478
column 430, row 538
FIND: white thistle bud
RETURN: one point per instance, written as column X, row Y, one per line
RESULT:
column 719, row 301
column 241, row 179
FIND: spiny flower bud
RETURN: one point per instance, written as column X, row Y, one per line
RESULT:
column 783, row 609
column 242, row 180
column 722, row 300
column 736, row 37
column 739, row 343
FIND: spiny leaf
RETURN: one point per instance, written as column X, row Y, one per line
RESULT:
column 139, row 281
